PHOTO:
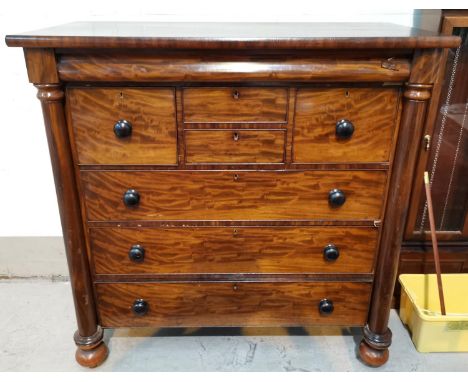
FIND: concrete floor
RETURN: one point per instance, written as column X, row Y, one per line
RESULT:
column 37, row 323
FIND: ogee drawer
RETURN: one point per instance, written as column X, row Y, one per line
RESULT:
column 345, row 125
column 124, row 125
column 233, row 195
column 235, row 105
column 235, row 146
column 205, row 250
column 232, row 304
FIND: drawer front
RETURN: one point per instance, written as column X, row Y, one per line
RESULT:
column 233, row 250
column 235, row 105
column 234, row 146
column 232, row 195
column 319, row 137
column 150, row 112
column 232, row 304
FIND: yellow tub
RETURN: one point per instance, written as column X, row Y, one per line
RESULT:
column 420, row 311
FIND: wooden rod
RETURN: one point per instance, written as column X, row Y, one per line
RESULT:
column 434, row 241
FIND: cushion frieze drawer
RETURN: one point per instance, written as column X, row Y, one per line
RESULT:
column 234, row 146
column 235, row 105
column 345, row 124
column 232, row 304
column 124, row 125
column 204, row 250
column 233, row 195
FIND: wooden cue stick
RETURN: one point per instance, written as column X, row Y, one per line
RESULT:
column 434, row 242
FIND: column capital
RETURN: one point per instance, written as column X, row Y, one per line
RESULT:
column 417, row 92
column 50, row 92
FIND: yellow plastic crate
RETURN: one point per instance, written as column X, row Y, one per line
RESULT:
column 420, row 311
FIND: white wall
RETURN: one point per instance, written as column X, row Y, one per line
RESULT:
column 27, row 195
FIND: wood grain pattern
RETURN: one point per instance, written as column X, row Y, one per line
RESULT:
column 251, row 105
column 234, row 146
column 233, row 250
column 301, row 36
column 233, row 195
column 151, row 111
column 372, row 111
column 232, row 304
column 41, row 65
column 205, row 67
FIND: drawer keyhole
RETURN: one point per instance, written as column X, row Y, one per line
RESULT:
column 235, row 94
column 235, row 136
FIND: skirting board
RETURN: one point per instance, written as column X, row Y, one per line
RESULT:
column 33, row 257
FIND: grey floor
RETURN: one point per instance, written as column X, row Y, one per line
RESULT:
column 37, row 323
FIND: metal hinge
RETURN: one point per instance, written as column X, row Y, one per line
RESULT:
column 427, row 142
column 377, row 223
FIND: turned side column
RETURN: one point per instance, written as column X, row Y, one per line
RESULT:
column 377, row 336
column 42, row 72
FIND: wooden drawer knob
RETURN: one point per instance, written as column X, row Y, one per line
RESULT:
column 331, row 252
column 123, row 128
column 326, row 307
column 336, row 198
column 131, row 198
column 140, row 307
column 136, row 253
column 344, row 129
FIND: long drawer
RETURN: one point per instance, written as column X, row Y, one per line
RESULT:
column 205, row 250
column 233, row 195
column 232, row 304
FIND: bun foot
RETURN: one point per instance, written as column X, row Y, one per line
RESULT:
column 372, row 357
column 92, row 351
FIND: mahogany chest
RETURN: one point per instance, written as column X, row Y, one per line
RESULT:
column 232, row 174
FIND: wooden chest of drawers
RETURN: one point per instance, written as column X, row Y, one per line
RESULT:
column 245, row 175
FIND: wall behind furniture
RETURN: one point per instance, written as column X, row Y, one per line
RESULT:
column 27, row 194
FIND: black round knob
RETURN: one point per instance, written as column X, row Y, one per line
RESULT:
column 331, row 252
column 122, row 128
column 336, row 198
column 326, row 307
column 344, row 129
column 140, row 307
column 136, row 253
column 131, row 198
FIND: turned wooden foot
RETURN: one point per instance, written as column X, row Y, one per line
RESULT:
column 373, row 349
column 372, row 357
column 91, row 351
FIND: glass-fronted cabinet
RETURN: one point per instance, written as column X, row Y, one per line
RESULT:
column 444, row 154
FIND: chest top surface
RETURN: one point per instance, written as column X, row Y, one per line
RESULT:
column 232, row 35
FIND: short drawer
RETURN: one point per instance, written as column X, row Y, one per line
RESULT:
column 232, row 304
column 233, row 195
column 234, row 146
column 205, row 250
column 235, row 105
column 124, row 125
column 345, row 125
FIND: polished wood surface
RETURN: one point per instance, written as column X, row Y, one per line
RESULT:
column 231, row 36
column 233, row 195
column 233, row 250
column 372, row 111
column 151, row 111
column 206, row 66
column 236, row 104
column 233, row 155
column 232, row 304
column 235, row 146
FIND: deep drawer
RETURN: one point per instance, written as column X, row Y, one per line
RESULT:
column 235, row 105
column 205, row 250
column 234, row 146
column 231, row 304
column 232, row 195
column 325, row 118
column 149, row 111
